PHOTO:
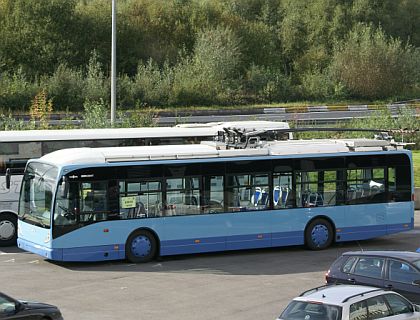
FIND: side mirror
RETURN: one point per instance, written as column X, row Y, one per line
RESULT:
column 8, row 177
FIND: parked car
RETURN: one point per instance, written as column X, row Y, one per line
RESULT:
column 24, row 310
column 395, row 270
column 350, row 302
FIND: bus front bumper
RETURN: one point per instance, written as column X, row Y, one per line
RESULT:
column 48, row 253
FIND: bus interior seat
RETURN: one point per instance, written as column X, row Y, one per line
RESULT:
column 276, row 195
column 284, row 195
column 264, row 198
column 256, row 197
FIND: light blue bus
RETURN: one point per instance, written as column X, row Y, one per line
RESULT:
column 135, row 203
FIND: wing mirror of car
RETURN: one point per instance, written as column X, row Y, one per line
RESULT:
column 416, row 282
column 416, row 308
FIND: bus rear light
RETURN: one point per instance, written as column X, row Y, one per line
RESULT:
column 413, row 197
column 106, row 230
column 197, row 241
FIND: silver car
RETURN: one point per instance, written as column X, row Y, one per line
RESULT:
column 350, row 302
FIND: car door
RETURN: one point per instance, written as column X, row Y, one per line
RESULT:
column 400, row 276
column 401, row 309
column 368, row 271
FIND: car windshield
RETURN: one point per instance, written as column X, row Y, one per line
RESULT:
column 36, row 194
column 302, row 310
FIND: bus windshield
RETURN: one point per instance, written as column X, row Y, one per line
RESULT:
column 38, row 187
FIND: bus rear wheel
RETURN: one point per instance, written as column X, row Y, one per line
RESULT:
column 141, row 246
column 319, row 234
column 8, row 229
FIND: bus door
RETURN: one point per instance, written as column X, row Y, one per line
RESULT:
column 248, row 201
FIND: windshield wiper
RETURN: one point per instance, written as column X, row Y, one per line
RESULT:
column 39, row 219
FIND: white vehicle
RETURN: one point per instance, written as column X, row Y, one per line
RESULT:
column 17, row 147
column 350, row 302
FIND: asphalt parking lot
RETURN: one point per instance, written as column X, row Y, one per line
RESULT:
column 253, row 284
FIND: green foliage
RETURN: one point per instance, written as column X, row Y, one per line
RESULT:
column 37, row 35
column 16, row 91
column 96, row 87
column 372, row 65
column 141, row 117
column 95, row 114
column 267, row 85
column 211, row 71
column 65, row 87
column 9, row 122
column 201, row 52
column 416, row 164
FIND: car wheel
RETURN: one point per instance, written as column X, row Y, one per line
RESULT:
column 8, row 229
column 319, row 234
column 140, row 246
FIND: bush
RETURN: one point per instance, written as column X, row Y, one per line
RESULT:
column 97, row 86
column 211, row 72
column 65, row 87
column 153, row 85
column 372, row 65
column 266, row 84
column 95, row 115
column 16, row 91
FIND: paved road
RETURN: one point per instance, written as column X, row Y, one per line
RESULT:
column 254, row 284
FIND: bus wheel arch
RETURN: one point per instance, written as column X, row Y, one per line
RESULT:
column 8, row 228
column 319, row 233
column 141, row 245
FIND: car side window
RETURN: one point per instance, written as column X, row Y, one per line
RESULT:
column 369, row 267
column 398, row 304
column 377, row 308
column 358, row 311
column 349, row 264
column 6, row 306
column 402, row 272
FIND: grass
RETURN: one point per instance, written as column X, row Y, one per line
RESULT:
column 416, row 160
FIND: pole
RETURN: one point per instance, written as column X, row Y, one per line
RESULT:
column 114, row 62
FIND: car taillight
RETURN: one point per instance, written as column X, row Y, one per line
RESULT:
column 327, row 274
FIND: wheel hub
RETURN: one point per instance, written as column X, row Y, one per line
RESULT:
column 7, row 230
column 319, row 235
column 141, row 246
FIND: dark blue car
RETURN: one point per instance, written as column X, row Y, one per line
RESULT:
column 395, row 270
column 24, row 310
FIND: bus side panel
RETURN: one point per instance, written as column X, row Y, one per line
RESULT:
column 363, row 221
column 194, row 233
column 400, row 216
column 248, row 230
column 287, row 227
column 102, row 240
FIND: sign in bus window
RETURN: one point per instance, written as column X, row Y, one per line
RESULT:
column 140, row 199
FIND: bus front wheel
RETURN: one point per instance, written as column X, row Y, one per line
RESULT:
column 8, row 229
column 140, row 246
column 319, row 234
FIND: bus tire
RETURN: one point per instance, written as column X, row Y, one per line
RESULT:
column 8, row 229
column 141, row 246
column 319, row 234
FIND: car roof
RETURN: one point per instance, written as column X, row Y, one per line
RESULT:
column 338, row 294
column 405, row 255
